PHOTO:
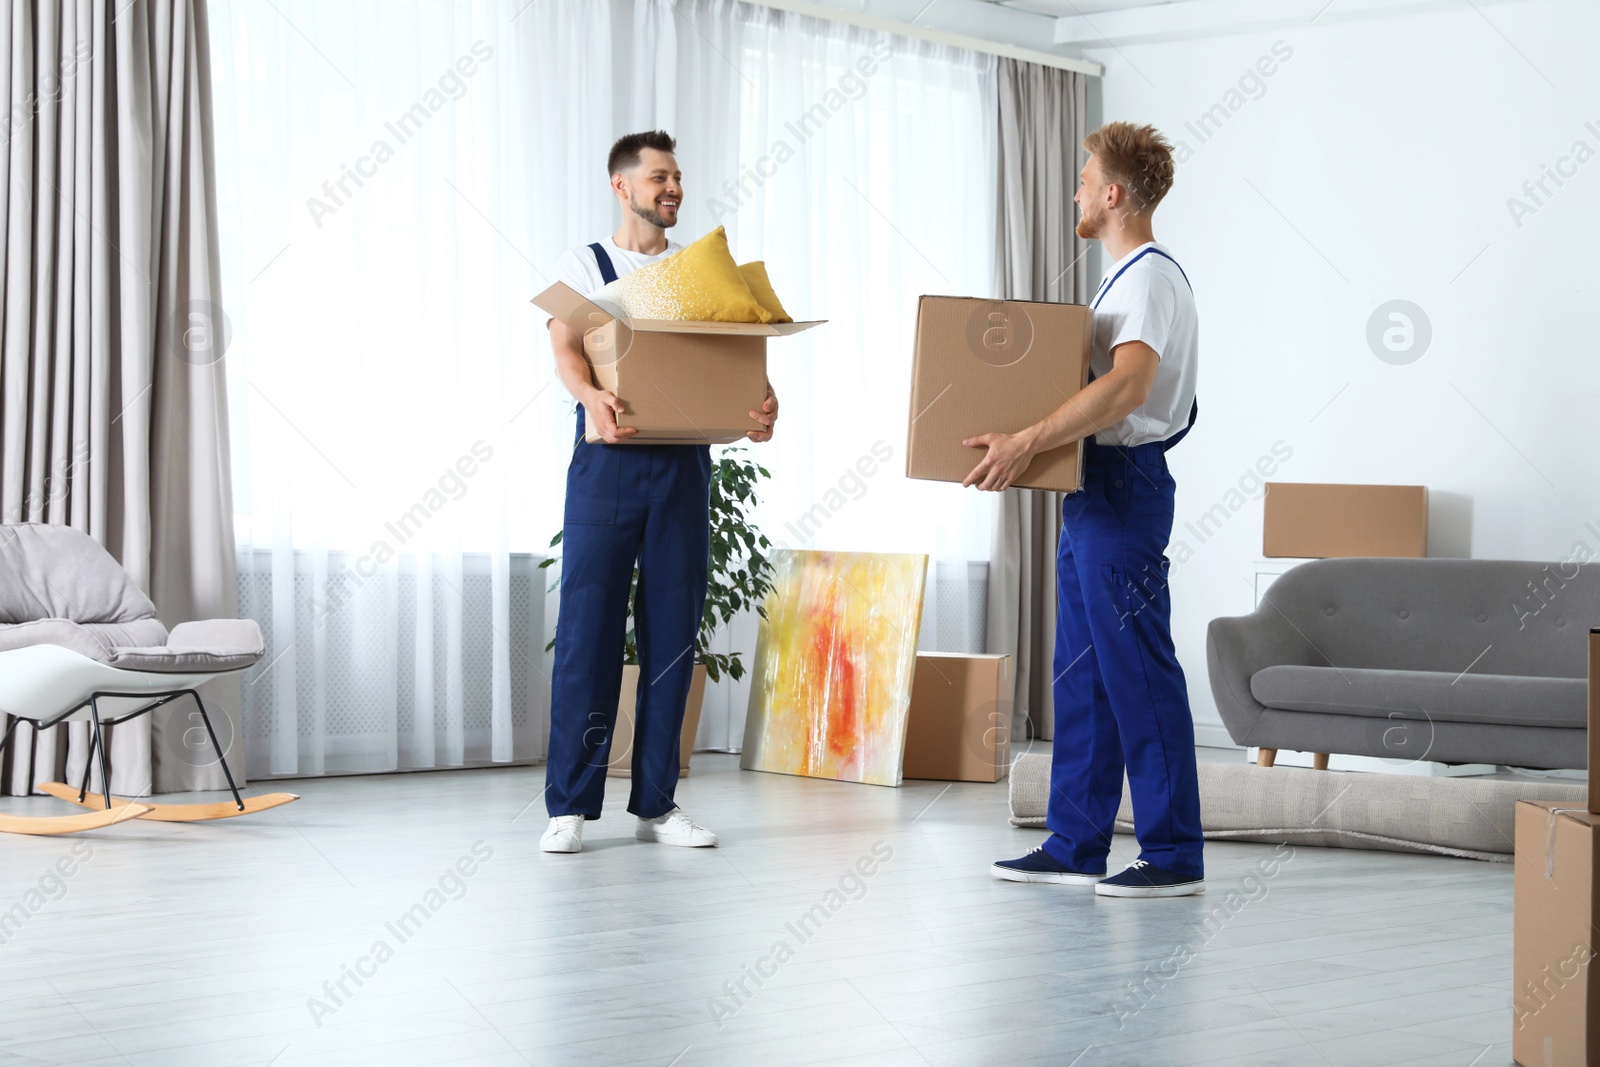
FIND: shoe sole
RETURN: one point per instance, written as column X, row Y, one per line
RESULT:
column 1009, row 875
column 1187, row 889
column 561, row 848
column 643, row 836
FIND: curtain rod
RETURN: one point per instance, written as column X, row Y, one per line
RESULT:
column 906, row 29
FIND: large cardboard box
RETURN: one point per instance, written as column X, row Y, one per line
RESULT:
column 621, row 760
column 1310, row 521
column 994, row 366
column 1555, row 998
column 958, row 728
column 1594, row 720
column 682, row 382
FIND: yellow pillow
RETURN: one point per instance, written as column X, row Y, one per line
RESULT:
column 702, row 283
column 755, row 276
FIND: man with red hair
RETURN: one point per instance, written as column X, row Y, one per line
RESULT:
column 1121, row 701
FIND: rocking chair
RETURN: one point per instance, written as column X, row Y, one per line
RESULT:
column 80, row 642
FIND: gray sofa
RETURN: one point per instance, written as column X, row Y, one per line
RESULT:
column 1448, row 660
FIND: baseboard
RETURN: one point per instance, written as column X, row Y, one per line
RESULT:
column 1212, row 735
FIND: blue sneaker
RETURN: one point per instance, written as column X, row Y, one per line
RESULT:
column 1040, row 866
column 1142, row 879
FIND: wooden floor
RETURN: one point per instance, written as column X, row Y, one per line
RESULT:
column 284, row 939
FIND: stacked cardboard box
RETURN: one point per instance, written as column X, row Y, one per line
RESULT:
column 958, row 728
column 1556, row 999
column 1311, row 521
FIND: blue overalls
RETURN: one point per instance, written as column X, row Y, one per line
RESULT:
column 1120, row 696
column 626, row 504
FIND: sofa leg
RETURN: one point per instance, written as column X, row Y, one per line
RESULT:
column 1319, row 761
column 1265, row 756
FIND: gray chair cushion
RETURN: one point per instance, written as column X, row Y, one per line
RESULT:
column 96, row 640
column 1442, row 697
column 59, row 587
column 56, row 572
column 213, row 646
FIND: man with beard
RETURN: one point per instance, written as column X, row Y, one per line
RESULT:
column 1120, row 696
column 626, row 505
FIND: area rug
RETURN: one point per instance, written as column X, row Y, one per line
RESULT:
column 1464, row 817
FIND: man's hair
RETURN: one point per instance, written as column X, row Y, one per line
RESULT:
column 1137, row 158
column 625, row 153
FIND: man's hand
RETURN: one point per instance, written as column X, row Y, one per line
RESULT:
column 1008, row 457
column 766, row 417
column 600, row 413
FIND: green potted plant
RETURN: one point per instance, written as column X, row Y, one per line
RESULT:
column 739, row 576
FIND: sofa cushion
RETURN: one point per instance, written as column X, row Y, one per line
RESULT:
column 1440, row 696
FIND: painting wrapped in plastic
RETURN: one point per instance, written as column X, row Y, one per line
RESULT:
column 831, row 683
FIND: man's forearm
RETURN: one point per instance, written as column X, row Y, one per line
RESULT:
column 1103, row 402
column 572, row 368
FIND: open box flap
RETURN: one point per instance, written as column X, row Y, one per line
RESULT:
column 784, row 329
column 567, row 304
column 736, row 329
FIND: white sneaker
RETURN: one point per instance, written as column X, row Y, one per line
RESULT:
column 676, row 828
column 565, row 834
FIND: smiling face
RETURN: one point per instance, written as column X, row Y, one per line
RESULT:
column 653, row 190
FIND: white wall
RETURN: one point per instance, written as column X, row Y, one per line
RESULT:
column 1375, row 164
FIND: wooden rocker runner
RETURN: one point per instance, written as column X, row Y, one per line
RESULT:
column 79, row 642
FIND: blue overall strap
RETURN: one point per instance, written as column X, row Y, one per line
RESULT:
column 1105, row 287
column 608, row 273
column 1194, row 412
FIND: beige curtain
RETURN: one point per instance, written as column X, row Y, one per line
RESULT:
column 113, row 413
column 1043, row 113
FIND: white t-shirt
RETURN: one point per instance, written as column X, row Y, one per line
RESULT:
column 1145, row 297
column 577, row 266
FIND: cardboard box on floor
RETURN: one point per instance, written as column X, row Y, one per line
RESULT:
column 958, row 728
column 621, row 760
column 1555, row 992
column 999, row 366
column 685, row 382
column 1311, row 521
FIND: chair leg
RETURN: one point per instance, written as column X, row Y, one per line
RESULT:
column 1319, row 761
column 6, row 740
column 88, row 765
column 237, row 799
column 1266, row 756
column 105, row 769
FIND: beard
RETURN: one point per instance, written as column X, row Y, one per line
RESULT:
column 1090, row 224
column 649, row 213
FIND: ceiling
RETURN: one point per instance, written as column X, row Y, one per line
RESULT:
column 1081, row 7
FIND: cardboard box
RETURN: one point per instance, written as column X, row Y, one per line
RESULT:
column 621, row 761
column 994, row 366
column 958, row 728
column 1594, row 718
column 682, row 382
column 1308, row 521
column 1555, row 998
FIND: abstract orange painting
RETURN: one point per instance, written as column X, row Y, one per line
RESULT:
column 831, row 681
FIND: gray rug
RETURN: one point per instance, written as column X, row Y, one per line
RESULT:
column 1465, row 817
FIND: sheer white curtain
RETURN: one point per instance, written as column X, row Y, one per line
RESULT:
column 397, row 179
